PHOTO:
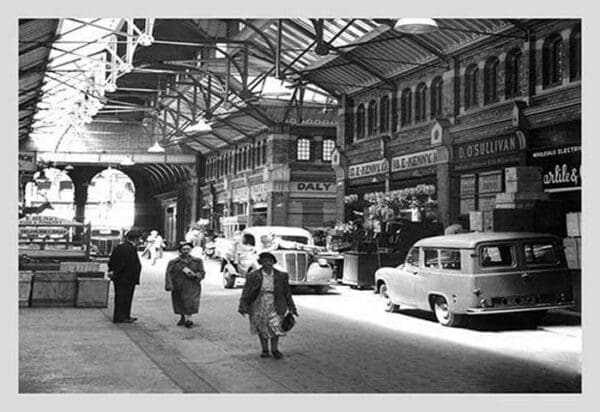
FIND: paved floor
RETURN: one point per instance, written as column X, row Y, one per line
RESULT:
column 344, row 343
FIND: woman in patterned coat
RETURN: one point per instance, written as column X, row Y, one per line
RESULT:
column 182, row 278
column 266, row 298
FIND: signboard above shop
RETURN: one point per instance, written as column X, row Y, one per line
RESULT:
column 312, row 187
column 414, row 160
column 368, row 169
column 560, row 167
column 493, row 151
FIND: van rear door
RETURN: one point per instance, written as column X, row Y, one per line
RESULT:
column 522, row 273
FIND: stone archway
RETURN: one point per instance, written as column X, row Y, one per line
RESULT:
column 110, row 200
column 54, row 186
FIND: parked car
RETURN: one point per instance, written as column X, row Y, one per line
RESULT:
column 293, row 247
column 480, row 274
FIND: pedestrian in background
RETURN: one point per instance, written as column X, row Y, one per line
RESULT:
column 182, row 279
column 124, row 270
column 266, row 298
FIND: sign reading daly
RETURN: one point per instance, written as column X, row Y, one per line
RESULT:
column 312, row 187
column 368, row 169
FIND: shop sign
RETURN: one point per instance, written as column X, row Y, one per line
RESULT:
column 236, row 184
column 467, row 185
column 560, row 167
column 414, row 160
column 313, row 187
column 490, row 182
column 368, row 169
column 240, row 194
column 27, row 161
column 486, row 148
column 258, row 193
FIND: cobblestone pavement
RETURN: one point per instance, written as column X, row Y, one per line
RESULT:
column 343, row 343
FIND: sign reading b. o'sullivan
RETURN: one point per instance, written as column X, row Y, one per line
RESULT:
column 368, row 169
column 487, row 152
column 560, row 167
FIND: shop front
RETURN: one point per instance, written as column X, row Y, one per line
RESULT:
column 312, row 204
column 479, row 165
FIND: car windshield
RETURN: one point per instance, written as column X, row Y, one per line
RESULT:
column 298, row 239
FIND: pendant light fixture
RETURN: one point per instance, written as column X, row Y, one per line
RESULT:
column 416, row 25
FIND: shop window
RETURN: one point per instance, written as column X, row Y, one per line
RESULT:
column 328, row 145
column 490, row 81
column 384, row 114
column 360, row 121
column 436, row 97
column 372, row 118
column 303, row 149
column 552, row 61
column 575, row 55
column 471, row 89
column 420, row 102
column 512, row 73
column 406, row 107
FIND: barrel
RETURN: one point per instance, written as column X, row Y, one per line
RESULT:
column 53, row 288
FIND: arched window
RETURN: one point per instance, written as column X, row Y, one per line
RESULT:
column 490, row 81
column 394, row 111
column 257, row 154
column 512, row 73
column 328, row 145
column 471, row 89
column 575, row 55
column 237, row 161
column 349, row 121
column 372, row 118
column 436, row 97
column 207, row 169
column 384, row 114
column 303, row 149
column 360, row 121
column 406, row 107
column 244, row 158
column 552, row 61
column 264, row 152
column 420, row 102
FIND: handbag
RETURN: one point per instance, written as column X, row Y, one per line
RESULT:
column 288, row 322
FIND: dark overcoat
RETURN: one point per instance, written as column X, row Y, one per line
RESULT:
column 282, row 293
column 125, row 263
column 185, row 290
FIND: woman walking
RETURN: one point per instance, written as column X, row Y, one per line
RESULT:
column 266, row 298
column 182, row 278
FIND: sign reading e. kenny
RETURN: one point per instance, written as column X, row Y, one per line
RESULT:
column 414, row 160
column 368, row 169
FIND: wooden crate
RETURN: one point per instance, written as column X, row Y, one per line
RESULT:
column 574, row 224
column 572, row 247
column 53, row 289
column 476, row 221
column 92, row 293
column 519, row 186
column 25, row 280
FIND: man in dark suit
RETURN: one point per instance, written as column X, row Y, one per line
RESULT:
column 124, row 269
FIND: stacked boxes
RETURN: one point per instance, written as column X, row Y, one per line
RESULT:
column 572, row 242
column 92, row 292
column 523, row 188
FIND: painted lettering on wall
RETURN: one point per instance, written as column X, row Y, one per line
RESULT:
column 560, row 167
column 414, row 160
column 368, row 169
column 487, row 147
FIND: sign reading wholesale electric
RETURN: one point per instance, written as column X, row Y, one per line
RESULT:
column 560, row 167
column 488, row 152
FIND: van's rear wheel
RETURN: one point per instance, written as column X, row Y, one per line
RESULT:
column 228, row 279
column 443, row 314
column 384, row 293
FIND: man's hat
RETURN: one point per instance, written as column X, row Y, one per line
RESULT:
column 185, row 243
column 264, row 255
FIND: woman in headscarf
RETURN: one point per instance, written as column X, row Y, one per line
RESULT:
column 266, row 298
column 182, row 278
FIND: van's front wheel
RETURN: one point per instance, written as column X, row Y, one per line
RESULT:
column 443, row 314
